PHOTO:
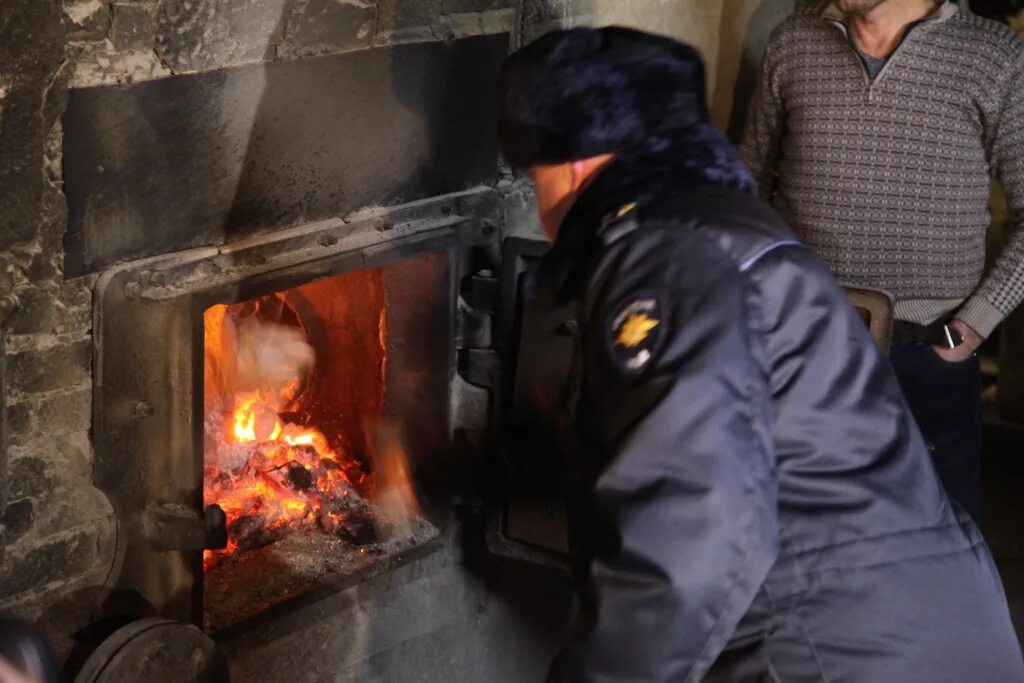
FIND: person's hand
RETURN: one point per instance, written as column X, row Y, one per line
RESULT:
column 972, row 340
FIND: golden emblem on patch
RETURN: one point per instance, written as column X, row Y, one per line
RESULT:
column 624, row 209
column 618, row 213
column 634, row 330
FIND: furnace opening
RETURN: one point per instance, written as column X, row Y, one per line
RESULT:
column 312, row 477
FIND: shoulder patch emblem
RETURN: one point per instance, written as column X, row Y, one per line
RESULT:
column 613, row 216
column 624, row 209
column 633, row 333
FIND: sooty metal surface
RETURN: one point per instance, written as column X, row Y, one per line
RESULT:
column 149, row 359
column 272, row 145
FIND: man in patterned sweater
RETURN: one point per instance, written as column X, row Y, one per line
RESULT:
column 875, row 130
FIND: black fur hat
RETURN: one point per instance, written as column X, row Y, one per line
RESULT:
column 579, row 93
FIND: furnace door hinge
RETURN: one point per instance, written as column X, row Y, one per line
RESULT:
column 474, row 329
column 479, row 363
column 480, row 367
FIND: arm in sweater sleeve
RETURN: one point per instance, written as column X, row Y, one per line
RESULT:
column 765, row 121
column 1002, row 289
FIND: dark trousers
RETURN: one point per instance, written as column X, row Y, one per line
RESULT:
column 945, row 399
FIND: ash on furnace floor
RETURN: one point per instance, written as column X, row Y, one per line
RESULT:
column 242, row 587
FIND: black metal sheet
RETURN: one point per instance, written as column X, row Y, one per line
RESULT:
column 202, row 159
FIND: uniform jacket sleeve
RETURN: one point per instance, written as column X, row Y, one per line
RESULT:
column 684, row 499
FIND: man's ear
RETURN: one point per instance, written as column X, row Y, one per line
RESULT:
column 584, row 171
column 580, row 173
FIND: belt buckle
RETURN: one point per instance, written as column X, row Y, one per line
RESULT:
column 953, row 338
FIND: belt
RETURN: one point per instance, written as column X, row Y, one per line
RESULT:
column 938, row 333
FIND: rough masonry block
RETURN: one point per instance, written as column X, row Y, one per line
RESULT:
column 54, row 538
column 55, row 307
column 61, row 603
column 482, row 23
column 133, row 25
column 20, row 423
column 466, row 6
column 36, row 313
column 62, row 556
column 196, row 35
column 46, row 462
column 54, row 368
column 75, row 301
column 26, row 477
column 320, row 27
column 87, row 19
column 406, row 20
column 16, row 520
column 69, row 507
column 65, row 413
column 100, row 64
column 542, row 16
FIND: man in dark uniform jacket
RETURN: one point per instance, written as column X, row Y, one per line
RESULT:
column 752, row 500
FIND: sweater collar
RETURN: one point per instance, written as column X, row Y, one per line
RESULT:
column 831, row 12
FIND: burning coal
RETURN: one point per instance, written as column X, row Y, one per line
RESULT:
column 267, row 464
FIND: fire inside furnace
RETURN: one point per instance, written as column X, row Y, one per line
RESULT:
column 311, row 477
column 268, row 465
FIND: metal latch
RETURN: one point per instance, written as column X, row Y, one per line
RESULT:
column 174, row 526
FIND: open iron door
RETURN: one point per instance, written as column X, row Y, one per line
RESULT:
column 528, row 519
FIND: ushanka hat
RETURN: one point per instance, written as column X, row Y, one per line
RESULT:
column 580, row 93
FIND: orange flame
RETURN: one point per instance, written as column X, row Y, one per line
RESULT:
column 257, row 451
column 268, row 473
column 258, row 488
column 393, row 492
column 253, row 418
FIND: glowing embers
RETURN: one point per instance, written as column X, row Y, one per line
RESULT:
column 269, row 488
column 293, row 394
column 314, row 481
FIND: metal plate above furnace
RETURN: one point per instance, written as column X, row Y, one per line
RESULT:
column 204, row 159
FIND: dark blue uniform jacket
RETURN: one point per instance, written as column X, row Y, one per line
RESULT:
column 751, row 498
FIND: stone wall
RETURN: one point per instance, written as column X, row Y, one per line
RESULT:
column 57, row 532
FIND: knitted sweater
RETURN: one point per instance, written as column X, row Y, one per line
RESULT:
column 888, row 181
